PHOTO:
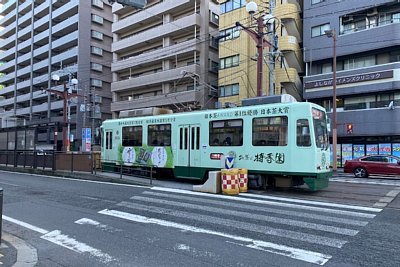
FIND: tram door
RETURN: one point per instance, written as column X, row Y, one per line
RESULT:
column 189, row 148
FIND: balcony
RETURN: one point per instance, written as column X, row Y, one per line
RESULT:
column 44, row 64
column 8, row 54
column 24, row 58
column 23, row 84
column 41, row 50
column 8, row 7
column 6, row 102
column 42, row 37
column 155, row 55
column 8, row 18
column 7, row 90
column 42, row 23
column 290, row 81
column 73, row 52
column 7, row 66
column 66, row 9
column 65, row 40
column 41, row 7
column 68, row 23
column 22, row 7
column 24, row 46
column 7, row 31
column 25, row 18
column 24, row 31
column 289, row 15
column 8, row 43
column 156, row 12
column 152, row 79
column 24, row 71
column 181, row 25
column 159, row 100
column 9, row 78
column 292, row 52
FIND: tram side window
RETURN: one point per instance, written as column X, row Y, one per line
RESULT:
column 303, row 133
column 270, row 131
column 226, row 133
column 159, row 135
column 108, row 140
column 132, row 136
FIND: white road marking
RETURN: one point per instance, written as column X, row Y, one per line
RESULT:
column 252, row 200
column 211, row 202
column 58, row 238
column 86, row 221
column 26, row 225
column 63, row 240
column 363, row 181
column 389, row 197
column 336, row 205
column 78, row 180
column 295, row 253
column 265, row 218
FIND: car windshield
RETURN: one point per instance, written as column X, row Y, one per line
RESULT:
column 320, row 128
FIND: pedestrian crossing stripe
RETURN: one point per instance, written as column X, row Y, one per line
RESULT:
column 295, row 253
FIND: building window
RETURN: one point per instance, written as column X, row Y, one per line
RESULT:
column 229, row 90
column 96, row 82
column 229, row 62
column 229, row 34
column 214, row 18
column 97, row 51
column 96, row 66
column 97, row 35
column 313, row 2
column 361, row 62
column 319, row 30
column 97, row 19
column 98, row 3
column 232, row 5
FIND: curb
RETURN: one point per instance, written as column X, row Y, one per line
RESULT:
column 26, row 254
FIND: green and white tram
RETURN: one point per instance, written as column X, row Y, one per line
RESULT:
column 284, row 143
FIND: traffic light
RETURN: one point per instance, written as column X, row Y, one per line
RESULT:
column 349, row 128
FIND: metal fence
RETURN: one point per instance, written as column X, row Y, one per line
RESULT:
column 51, row 160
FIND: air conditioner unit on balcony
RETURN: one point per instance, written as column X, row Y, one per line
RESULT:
column 372, row 12
column 347, row 19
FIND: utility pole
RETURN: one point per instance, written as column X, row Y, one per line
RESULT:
column 332, row 34
column 258, row 37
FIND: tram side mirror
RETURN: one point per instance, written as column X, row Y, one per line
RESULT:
column 398, row 162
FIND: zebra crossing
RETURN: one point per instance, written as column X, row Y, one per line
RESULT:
column 309, row 231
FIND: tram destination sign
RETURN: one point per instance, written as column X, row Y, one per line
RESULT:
column 351, row 79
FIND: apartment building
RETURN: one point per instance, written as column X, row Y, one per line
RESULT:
column 164, row 55
column 43, row 38
column 282, row 66
column 368, row 71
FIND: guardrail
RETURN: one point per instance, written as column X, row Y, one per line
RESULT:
column 51, row 160
column 136, row 169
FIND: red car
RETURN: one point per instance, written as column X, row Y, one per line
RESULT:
column 373, row 164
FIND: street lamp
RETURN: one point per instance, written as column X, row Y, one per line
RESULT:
column 258, row 37
column 66, row 95
column 332, row 34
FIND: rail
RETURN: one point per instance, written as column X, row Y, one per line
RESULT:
column 141, row 170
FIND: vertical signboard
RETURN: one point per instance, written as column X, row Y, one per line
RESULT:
column 88, row 143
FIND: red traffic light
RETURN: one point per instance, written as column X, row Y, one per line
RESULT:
column 349, row 128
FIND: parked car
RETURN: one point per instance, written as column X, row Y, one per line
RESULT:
column 373, row 164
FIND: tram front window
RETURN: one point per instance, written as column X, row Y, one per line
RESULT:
column 320, row 128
